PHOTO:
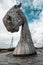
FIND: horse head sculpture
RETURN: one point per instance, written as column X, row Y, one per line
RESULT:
column 12, row 20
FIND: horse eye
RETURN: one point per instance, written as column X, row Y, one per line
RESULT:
column 9, row 18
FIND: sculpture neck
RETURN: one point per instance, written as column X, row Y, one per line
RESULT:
column 25, row 33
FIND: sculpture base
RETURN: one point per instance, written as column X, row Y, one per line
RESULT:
column 23, row 48
column 24, row 55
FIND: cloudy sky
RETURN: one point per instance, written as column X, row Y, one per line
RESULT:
column 33, row 10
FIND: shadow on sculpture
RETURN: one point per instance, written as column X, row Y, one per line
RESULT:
column 13, row 19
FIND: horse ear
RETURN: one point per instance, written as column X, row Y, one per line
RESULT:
column 17, row 6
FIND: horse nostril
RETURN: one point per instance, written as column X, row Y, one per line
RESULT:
column 9, row 18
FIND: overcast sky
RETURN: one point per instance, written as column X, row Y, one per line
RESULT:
column 33, row 9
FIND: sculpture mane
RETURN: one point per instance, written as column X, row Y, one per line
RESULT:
column 12, row 20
